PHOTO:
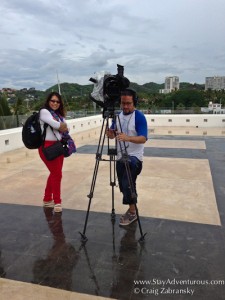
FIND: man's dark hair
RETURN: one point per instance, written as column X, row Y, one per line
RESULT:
column 130, row 92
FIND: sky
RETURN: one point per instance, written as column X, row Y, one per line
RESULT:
column 76, row 39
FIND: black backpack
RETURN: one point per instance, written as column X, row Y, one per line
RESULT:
column 31, row 133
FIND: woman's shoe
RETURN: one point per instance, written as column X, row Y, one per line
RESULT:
column 58, row 208
column 48, row 203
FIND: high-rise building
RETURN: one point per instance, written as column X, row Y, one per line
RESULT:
column 171, row 84
column 215, row 83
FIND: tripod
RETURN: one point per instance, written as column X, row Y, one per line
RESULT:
column 112, row 152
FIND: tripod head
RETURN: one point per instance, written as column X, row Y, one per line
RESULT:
column 110, row 112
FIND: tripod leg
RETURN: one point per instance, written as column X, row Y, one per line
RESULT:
column 113, row 183
column 90, row 196
column 142, row 238
column 95, row 173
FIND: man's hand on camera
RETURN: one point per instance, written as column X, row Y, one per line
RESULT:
column 110, row 133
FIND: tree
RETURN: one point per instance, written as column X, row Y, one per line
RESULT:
column 17, row 108
column 180, row 107
column 4, row 111
column 187, row 98
column 197, row 109
column 4, row 107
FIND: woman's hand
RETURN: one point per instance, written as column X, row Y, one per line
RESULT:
column 63, row 127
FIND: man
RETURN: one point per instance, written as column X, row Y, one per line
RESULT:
column 131, row 133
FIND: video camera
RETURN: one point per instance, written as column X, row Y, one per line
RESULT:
column 107, row 89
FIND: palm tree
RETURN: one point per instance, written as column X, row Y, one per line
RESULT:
column 16, row 109
column 4, row 111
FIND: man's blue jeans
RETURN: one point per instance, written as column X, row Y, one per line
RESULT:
column 135, row 169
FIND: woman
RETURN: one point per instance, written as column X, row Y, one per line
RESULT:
column 53, row 114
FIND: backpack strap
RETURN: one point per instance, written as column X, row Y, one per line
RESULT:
column 44, row 133
column 54, row 133
column 45, row 128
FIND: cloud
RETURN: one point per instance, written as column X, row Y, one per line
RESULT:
column 151, row 38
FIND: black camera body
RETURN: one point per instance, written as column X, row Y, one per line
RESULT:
column 107, row 90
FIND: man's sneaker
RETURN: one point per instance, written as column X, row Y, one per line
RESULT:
column 127, row 218
column 128, row 211
column 48, row 203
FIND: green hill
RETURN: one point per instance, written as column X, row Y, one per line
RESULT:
column 77, row 90
column 72, row 89
column 76, row 96
column 190, row 86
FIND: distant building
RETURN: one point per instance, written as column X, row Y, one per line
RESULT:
column 164, row 91
column 171, row 84
column 215, row 108
column 32, row 89
column 215, row 83
column 7, row 90
column 24, row 90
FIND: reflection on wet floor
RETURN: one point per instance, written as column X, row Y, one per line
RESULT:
column 50, row 253
column 61, row 258
column 2, row 272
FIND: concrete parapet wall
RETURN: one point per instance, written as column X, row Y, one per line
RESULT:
column 26, row 155
column 81, row 129
column 85, row 129
column 197, row 121
column 198, row 125
column 191, row 131
column 86, row 137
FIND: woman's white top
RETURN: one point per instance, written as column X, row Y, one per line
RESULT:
column 46, row 117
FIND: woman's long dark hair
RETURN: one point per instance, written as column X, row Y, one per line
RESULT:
column 61, row 109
